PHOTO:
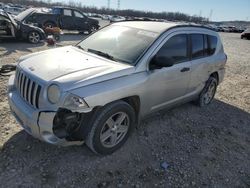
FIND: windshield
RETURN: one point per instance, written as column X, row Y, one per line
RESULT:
column 123, row 44
column 20, row 17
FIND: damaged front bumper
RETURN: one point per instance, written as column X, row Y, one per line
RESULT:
column 37, row 123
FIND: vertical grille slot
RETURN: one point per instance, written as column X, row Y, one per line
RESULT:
column 28, row 89
column 37, row 95
column 31, row 94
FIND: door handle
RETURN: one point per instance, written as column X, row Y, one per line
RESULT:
column 185, row 69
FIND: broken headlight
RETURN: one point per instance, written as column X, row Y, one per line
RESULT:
column 73, row 102
column 54, row 93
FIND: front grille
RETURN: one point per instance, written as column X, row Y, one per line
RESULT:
column 28, row 89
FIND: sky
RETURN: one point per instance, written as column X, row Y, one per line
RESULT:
column 217, row 10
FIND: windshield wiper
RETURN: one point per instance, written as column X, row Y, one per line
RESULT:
column 103, row 54
column 80, row 47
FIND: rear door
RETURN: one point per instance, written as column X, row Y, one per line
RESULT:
column 203, row 47
column 67, row 19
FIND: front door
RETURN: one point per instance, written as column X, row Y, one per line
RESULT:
column 169, row 84
column 80, row 21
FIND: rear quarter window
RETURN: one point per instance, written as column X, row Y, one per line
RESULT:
column 67, row 12
column 212, row 42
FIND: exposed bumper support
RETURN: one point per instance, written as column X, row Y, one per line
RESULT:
column 36, row 123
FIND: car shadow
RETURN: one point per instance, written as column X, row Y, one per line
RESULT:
column 175, row 128
column 72, row 37
column 9, row 46
column 226, row 116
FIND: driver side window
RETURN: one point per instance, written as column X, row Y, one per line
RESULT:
column 175, row 49
column 78, row 14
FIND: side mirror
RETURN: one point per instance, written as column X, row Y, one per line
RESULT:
column 159, row 62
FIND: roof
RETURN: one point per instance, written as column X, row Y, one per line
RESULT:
column 157, row 27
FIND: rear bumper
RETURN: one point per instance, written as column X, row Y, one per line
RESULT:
column 37, row 123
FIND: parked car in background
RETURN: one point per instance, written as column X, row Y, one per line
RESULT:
column 14, row 28
column 65, row 18
column 99, row 89
column 246, row 34
column 116, row 18
column 224, row 29
column 1, row 5
column 13, row 10
column 214, row 27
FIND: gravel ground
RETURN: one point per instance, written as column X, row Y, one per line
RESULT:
column 199, row 147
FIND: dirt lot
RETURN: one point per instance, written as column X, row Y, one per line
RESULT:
column 208, row 147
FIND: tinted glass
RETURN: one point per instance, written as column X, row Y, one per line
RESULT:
column 197, row 45
column 56, row 11
column 175, row 49
column 125, row 44
column 206, row 48
column 78, row 14
column 212, row 41
column 67, row 12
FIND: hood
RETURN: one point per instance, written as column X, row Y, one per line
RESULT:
column 72, row 67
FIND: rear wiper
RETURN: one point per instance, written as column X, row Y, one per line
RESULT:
column 103, row 54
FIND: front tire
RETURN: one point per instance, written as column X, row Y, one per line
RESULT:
column 34, row 37
column 207, row 94
column 111, row 128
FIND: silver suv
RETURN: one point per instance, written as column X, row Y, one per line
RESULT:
column 97, row 91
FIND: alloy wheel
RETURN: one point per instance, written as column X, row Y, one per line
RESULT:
column 209, row 95
column 34, row 37
column 114, row 129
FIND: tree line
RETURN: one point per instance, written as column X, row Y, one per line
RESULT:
column 171, row 16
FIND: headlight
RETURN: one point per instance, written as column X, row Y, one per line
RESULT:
column 54, row 93
column 74, row 102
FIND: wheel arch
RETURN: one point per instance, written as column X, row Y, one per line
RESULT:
column 135, row 102
column 215, row 75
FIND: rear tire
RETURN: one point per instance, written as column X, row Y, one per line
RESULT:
column 207, row 94
column 49, row 24
column 92, row 29
column 111, row 128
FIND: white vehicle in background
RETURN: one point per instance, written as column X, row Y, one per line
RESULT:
column 106, row 17
column 116, row 18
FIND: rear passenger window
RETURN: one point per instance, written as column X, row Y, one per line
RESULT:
column 212, row 42
column 67, row 12
column 175, row 49
column 197, row 46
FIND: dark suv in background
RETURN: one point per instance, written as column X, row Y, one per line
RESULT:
column 65, row 18
column 246, row 34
